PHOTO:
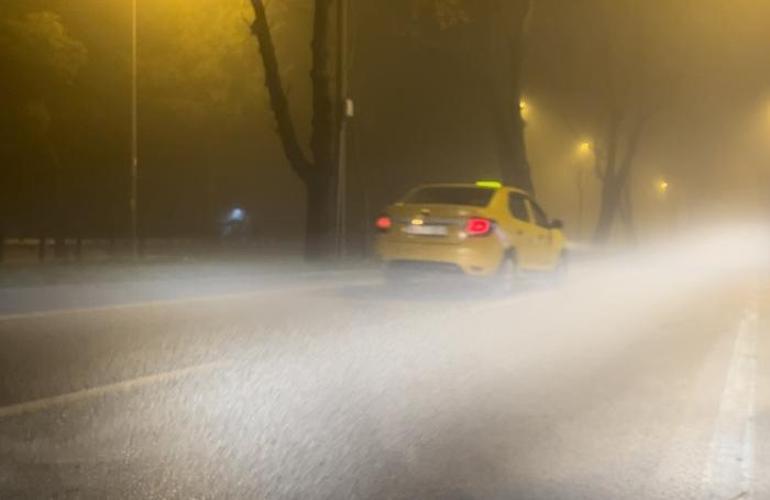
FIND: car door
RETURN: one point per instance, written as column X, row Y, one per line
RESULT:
column 544, row 254
column 521, row 231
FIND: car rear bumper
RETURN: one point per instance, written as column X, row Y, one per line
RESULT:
column 479, row 257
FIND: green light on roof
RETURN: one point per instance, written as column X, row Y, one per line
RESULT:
column 489, row 184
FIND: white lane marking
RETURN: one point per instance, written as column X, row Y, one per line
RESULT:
column 730, row 469
column 94, row 392
column 184, row 300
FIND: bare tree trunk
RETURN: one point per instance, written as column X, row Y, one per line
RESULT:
column 608, row 208
column 505, row 21
column 516, row 166
column 511, row 149
column 324, row 140
column 278, row 101
column 607, row 176
column 318, row 175
column 319, row 217
column 615, row 177
column 627, row 214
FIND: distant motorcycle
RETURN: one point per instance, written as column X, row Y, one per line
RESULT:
column 236, row 226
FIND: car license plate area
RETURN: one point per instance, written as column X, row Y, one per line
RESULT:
column 426, row 230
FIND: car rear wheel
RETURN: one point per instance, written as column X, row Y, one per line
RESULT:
column 508, row 273
column 560, row 271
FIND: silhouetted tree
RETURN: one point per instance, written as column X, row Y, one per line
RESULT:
column 612, row 66
column 196, row 71
column 317, row 173
column 38, row 60
column 506, row 44
column 498, row 32
column 638, row 81
column 497, row 50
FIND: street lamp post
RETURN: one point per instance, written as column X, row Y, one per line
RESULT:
column 134, row 140
column 345, row 111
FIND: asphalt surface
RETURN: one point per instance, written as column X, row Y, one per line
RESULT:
column 643, row 377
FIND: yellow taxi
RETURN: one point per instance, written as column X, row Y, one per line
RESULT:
column 481, row 229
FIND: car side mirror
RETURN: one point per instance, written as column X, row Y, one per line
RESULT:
column 557, row 224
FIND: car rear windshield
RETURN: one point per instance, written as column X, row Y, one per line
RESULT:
column 448, row 195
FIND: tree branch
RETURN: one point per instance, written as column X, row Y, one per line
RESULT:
column 632, row 147
column 610, row 168
column 323, row 140
column 278, row 101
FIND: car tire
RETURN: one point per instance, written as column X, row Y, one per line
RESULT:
column 561, row 269
column 508, row 273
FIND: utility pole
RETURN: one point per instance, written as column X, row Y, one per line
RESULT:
column 132, row 203
column 345, row 111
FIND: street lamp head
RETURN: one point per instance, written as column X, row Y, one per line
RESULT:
column 662, row 186
column 524, row 108
column 584, row 148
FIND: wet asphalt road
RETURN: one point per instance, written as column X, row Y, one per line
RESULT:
column 646, row 378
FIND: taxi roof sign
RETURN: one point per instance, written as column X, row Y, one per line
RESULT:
column 489, row 184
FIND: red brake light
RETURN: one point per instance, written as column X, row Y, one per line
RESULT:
column 476, row 226
column 383, row 223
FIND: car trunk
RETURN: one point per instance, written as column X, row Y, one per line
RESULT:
column 430, row 223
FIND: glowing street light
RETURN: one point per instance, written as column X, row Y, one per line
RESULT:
column 524, row 108
column 584, row 148
column 662, row 187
